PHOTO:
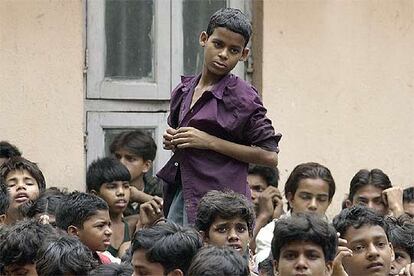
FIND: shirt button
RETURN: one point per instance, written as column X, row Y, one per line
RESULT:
column 176, row 164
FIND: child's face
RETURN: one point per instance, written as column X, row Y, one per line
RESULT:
column 401, row 259
column 311, row 196
column 409, row 208
column 142, row 266
column 136, row 165
column 22, row 187
column 257, row 185
column 222, row 50
column 229, row 232
column 20, row 270
column 371, row 197
column 371, row 251
column 302, row 258
column 116, row 194
column 96, row 231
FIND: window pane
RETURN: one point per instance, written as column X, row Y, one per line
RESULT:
column 196, row 15
column 129, row 39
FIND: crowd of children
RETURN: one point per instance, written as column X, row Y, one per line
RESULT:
column 208, row 212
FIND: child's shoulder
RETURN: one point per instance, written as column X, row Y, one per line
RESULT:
column 241, row 93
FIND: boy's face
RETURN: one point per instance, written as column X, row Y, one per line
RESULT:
column 302, row 258
column 371, row 197
column 409, row 208
column 222, row 50
column 371, row 251
column 22, row 187
column 311, row 196
column 96, row 231
column 401, row 259
column 136, row 165
column 143, row 267
column 228, row 232
column 20, row 270
column 116, row 194
column 257, row 185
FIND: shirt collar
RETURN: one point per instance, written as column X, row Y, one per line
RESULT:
column 218, row 89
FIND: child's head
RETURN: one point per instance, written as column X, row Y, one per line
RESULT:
column 265, row 267
column 366, row 234
column 310, row 188
column 7, row 151
column 136, row 150
column 408, row 201
column 19, row 244
column 225, row 219
column 303, row 243
column 401, row 236
column 261, row 177
column 64, row 255
column 4, row 201
column 366, row 189
column 86, row 216
column 216, row 261
column 164, row 249
column 109, row 179
column 113, row 269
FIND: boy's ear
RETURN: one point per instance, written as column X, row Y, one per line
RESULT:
column 328, row 268
column 245, row 54
column 348, row 203
column 289, row 198
column 73, row 230
column 93, row 192
column 176, row 272
column 392, row 252
column 204, row 237
column 147, row 166
column 203, row 39
column 275, row 267
column 2, row 219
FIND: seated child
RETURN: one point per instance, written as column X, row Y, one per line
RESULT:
column 401, row 236
column 113, row 270
column 368, row 251
column 109, row 179
column 309, row 189
column 303, row 244
column 65, row 255
column 4, row 202
column 87, row 217
column 218, row 261
column 19, row 244
column 25, row 181
column 374, row 189
column 164, row 249
column 408, row 201
column 136, row 150
column 7, row 151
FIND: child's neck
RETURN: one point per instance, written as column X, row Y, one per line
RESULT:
column 138, row 183
column 13, row 215
column 208, row 79
column 116, row 217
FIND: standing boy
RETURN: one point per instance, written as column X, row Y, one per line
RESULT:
column 217, row 123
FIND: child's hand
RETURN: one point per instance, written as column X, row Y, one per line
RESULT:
column 138, row 196
column 408, row 270
column 150, row 212
column 393, row 197
column 190, row 137
column 343, row 251
column 268, row 201
column 168, row 136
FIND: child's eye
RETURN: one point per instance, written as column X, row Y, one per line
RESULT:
column 217, row 44
column 289, row 256
column 221, row 230
column 305, row 196
column 381, row 244
column 241, row 229
column 234, row 51
column 358, row 248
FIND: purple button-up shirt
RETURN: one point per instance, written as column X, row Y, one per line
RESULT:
column 233, row 111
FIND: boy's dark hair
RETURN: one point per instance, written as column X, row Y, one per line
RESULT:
column 266, row 267
column 4, row 198
column 270, row 175
column 225, row 205
column 310, row 170
column 408, row 195
column 401, row 234
column 47, row 203
column 105, row 170
column 113, row 269
column 8, row 150
column 137, row 142
column 232, row 19
column 357, row 216
column 65, row 255
column 18, row 163
column 218, row 261
column 305, row 227
column 362, row 178
column 20, row 242
column 169, row 244
column 75, row 208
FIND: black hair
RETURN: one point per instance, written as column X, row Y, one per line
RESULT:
column 357, row 216
column 105, row 170
column 65, row 255
column 218, row 261
column 20, row 242
column 4, row 198
column 113, row 269
column 270, row 175
column 362, row 178
column 408, row 195
column 310, row 170
column 305, row 227
column 225, row 205
column 76, row 207
column 401, row 234
column 18, row 163
column 232, row 19
column 46, row 203
column 137, row 142
column 8, row 150
column 169, row 244
column 265, row 267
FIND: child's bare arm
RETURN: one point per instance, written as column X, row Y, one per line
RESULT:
column 190, row 137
